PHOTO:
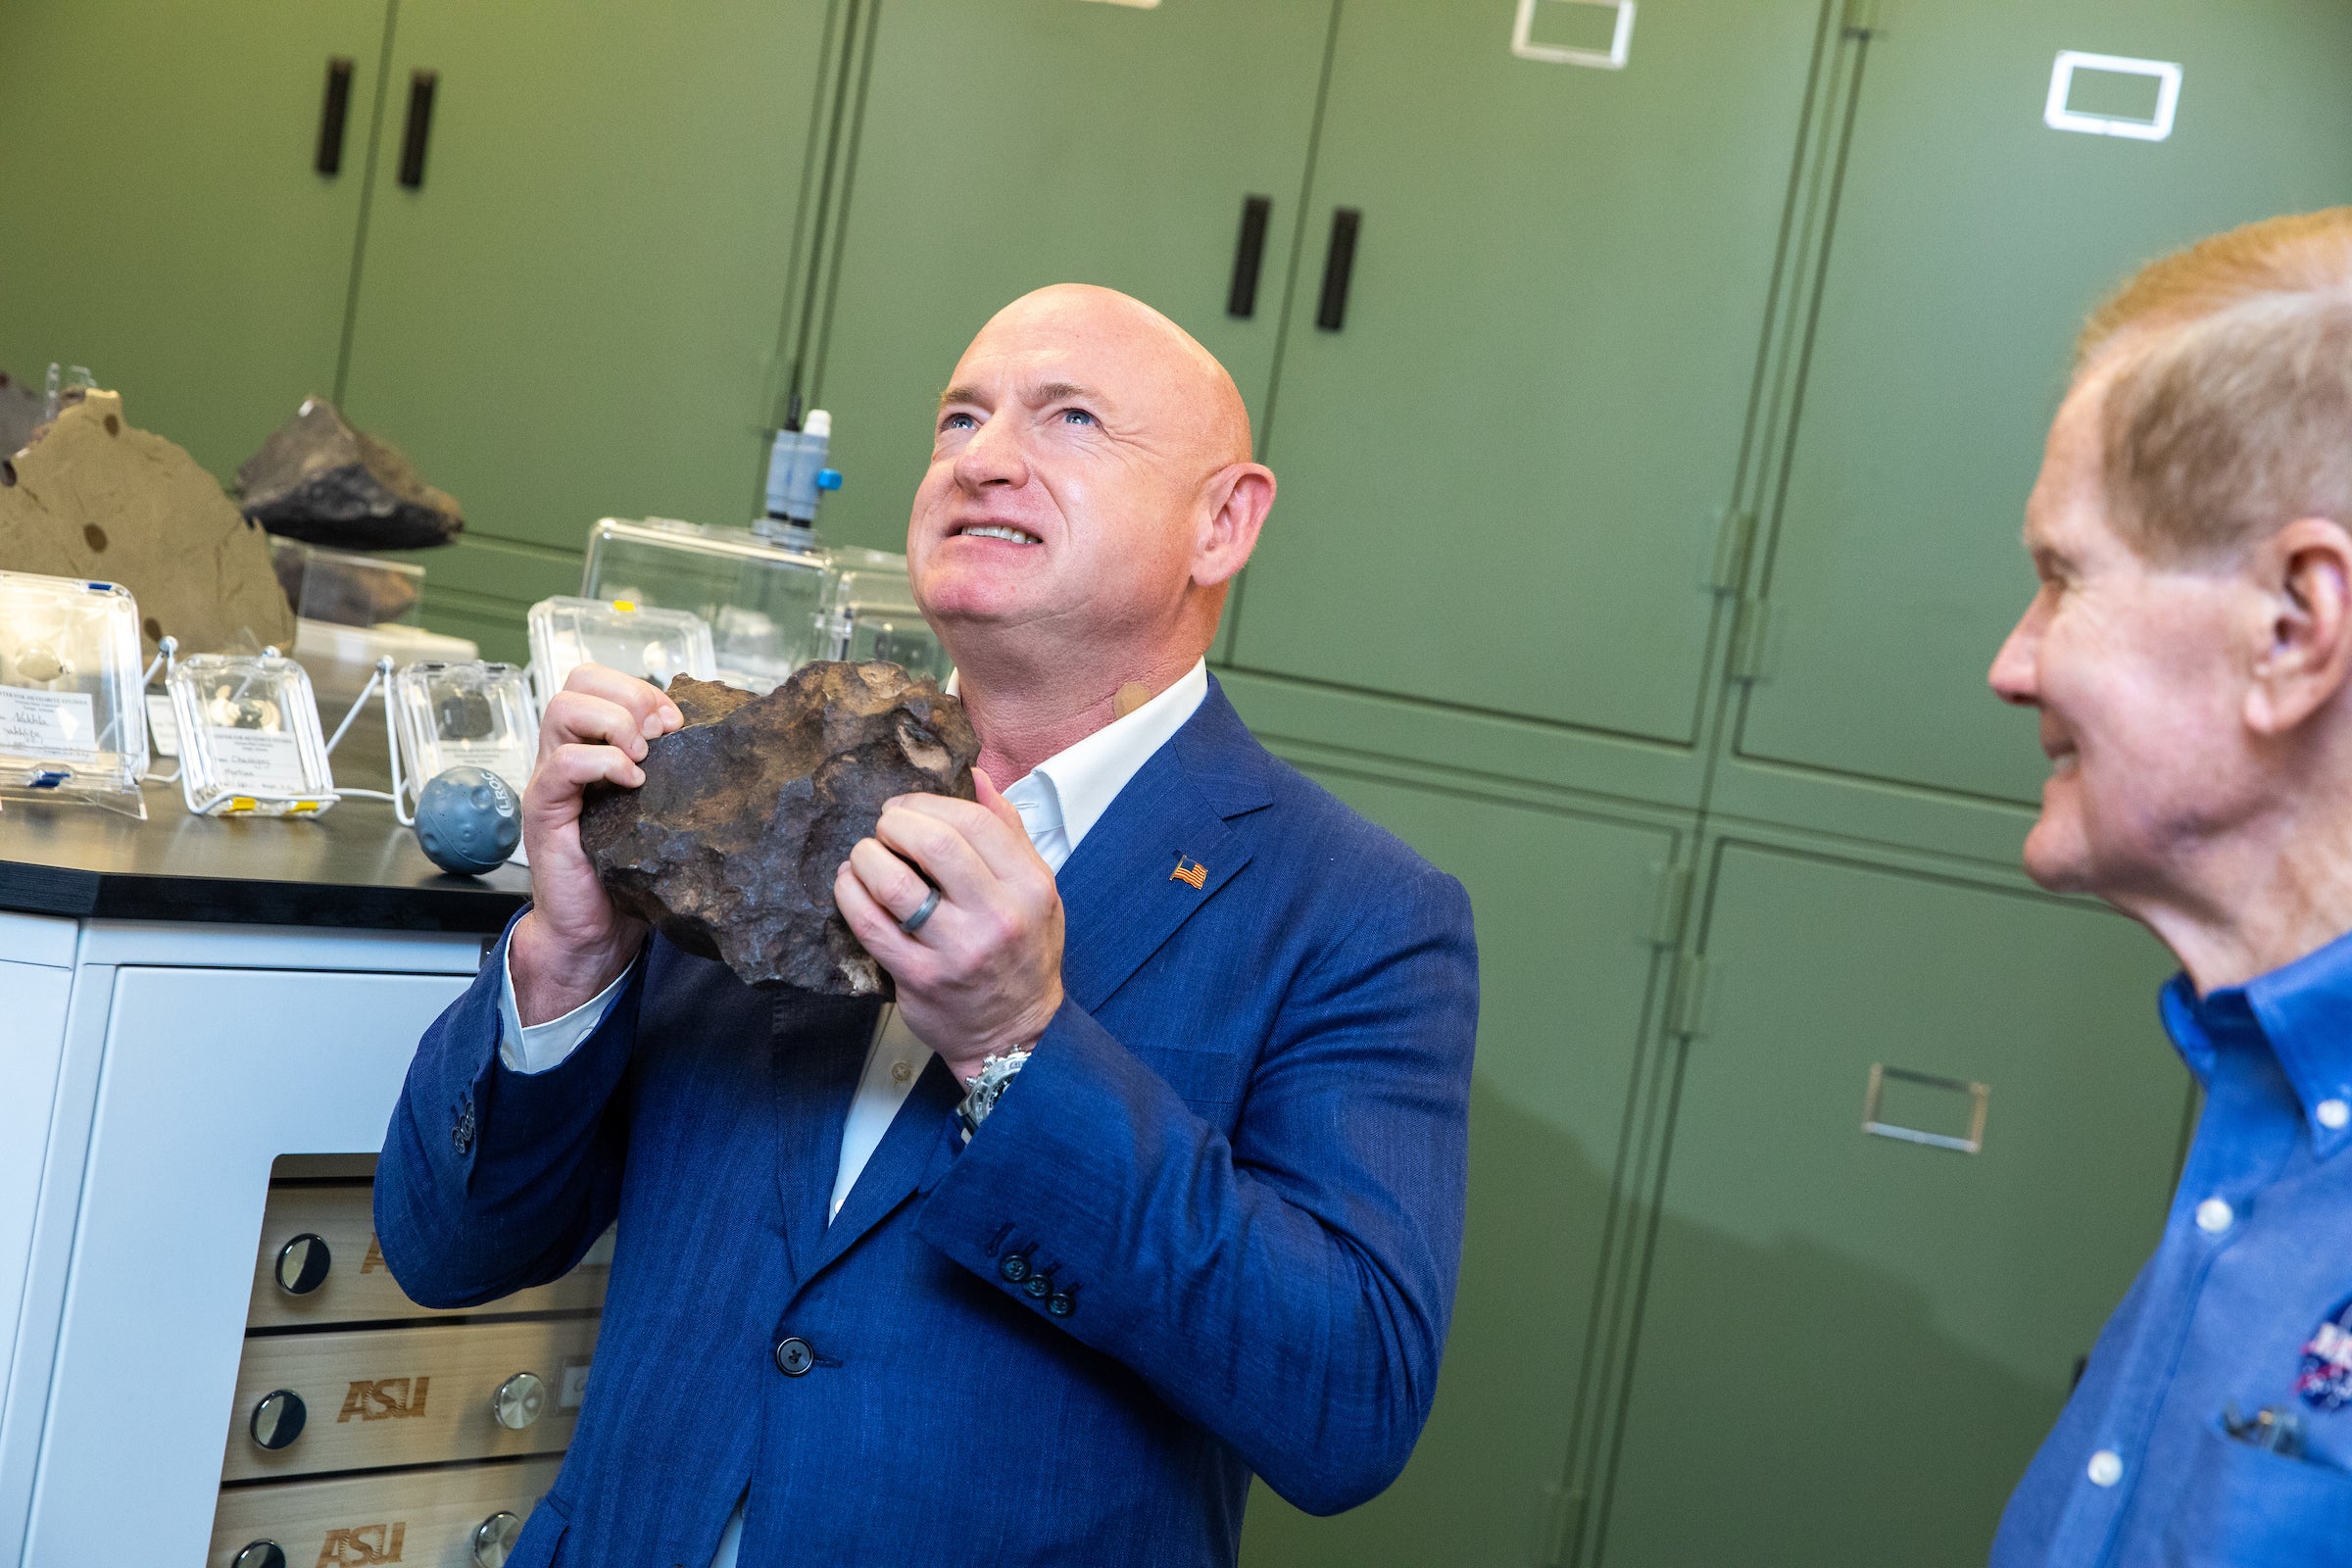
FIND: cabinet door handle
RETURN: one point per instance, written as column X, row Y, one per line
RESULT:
column 333, row 112
column 1249, row 254
column 420, row 129
column 1339, row 265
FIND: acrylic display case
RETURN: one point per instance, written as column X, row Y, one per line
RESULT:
column 346, row 589
column 249, row 738
column 868, row 612
column 623, row 635
column 457, row 714
column 72, row 721
column 759, row 594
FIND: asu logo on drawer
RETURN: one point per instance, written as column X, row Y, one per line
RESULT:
column 385, row 1398
column 363, row 1546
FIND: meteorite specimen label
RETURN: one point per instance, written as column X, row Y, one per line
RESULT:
column 47, row 723
column 266, row 761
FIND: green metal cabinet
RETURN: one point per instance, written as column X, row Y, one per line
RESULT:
column 163, row 222
column 1502, row 473
column 1852, row 1343
column 1007, row 144
column 575, row 314
column 1567, row 969
column 1971, row 238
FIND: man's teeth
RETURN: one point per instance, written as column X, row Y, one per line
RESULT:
column 1013, row 535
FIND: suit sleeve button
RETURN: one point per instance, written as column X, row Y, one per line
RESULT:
column 1060, row 1304
column 1038, row 1288
column 794, row 1358
column 1013, row 1266
column 461, row 1135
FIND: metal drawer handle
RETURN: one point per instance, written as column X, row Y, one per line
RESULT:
column 420, row 127
column 332, row 113
column 1339, row 267
column 519, row 1401
column 260, row 1554
column 1881, row 1075
column 302, row 1264
column 277, row 1419
column 1249, row 254
column 494, row 1538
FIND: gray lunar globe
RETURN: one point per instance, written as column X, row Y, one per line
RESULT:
column 468, row 820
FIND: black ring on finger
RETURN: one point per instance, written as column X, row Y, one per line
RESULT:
column 914, row 922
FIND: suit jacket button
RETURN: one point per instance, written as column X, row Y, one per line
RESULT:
column 1061, row 1305
column 461, row 1136
column 794, row 1358
column 1014, row 1266
column 1039, row 1287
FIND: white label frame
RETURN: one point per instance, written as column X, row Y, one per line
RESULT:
column 1621, row 42
column 2056, row 116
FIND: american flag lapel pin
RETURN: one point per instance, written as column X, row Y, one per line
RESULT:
column 1190, row 872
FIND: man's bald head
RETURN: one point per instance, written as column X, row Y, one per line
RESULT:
column 1091, row 491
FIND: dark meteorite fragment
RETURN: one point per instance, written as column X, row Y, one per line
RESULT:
column 318, row 479
column 729, row 848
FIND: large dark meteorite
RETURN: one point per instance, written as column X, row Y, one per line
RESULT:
column 730, row 846
column 318, row 479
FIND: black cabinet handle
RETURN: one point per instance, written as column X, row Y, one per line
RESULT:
column 1339, row 265
column 333, row 112
column 1249, row 252
column 420, row 129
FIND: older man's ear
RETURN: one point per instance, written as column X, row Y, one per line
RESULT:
column 1239, row 497
column 2304, row 572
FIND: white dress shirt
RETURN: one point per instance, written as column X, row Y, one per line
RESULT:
column 1060, row 800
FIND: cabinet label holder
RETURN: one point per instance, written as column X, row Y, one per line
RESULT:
column 1621, row 39
column 2058, row 116
column 1874, row 1123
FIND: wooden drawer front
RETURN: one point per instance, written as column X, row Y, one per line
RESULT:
column 419, row 1518
column 357, row 1286
column 408, row 1395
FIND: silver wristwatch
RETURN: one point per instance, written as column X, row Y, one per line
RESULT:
column 986, row 1086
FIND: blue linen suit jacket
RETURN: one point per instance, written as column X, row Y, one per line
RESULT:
column 1236, row 1160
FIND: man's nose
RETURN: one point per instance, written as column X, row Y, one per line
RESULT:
column 992, row 456
column 2014, row 675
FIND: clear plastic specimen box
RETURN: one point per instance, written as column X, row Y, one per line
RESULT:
column 73, row 722
column 758, row 594
column 868, row 612
column 623, row 635
column 347, row 589
column 457, row 714
column 248, row 737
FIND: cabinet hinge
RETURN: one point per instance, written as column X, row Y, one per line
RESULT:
column 1562, row 1518
column 1666, row 915
column 1864, row 18
column 1686, row 998
column 1732, row 536
column 1751, row 630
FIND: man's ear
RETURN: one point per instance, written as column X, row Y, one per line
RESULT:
column 2305, row 570
column 1236, row 501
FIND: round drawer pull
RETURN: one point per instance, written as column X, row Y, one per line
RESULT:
column 302, row 1264
column 260, row 1554
column 494, row 1538
column 519, row 1401
column 277, row 1419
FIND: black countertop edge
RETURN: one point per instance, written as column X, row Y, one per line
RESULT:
column 463, row 905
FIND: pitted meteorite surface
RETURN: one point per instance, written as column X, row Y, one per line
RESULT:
column 729, row 848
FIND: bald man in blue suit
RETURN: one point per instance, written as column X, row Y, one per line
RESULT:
column 1151, row 1179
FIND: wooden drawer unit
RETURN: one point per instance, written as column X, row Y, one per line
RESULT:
column 320, row 1265
column 416, row 1518
column 365, row 1398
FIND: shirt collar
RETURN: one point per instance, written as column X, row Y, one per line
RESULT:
column 2301, row 1012
column 1084, row 779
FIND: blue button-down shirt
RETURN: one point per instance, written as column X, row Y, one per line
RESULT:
column 2248, row 1304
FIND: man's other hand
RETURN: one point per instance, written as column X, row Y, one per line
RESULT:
column 572, row 943
column 982, row 975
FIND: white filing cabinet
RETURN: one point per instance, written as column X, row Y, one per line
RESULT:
column 149, row 1076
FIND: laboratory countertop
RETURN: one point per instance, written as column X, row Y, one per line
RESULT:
column 355, row 866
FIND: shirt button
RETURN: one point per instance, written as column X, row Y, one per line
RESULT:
column 2106, row 1468
column 794, row 1358
column 2215, row 1216
column 2333, row 1114
column 901, row 1071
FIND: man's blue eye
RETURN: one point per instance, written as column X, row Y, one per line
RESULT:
column 959, row 422
column 1077, row 416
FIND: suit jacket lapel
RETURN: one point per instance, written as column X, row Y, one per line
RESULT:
column 896, row 1166
column 1120, row 894
column 820, row 1046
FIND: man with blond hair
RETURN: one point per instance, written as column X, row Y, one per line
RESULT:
column 2191, row 654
